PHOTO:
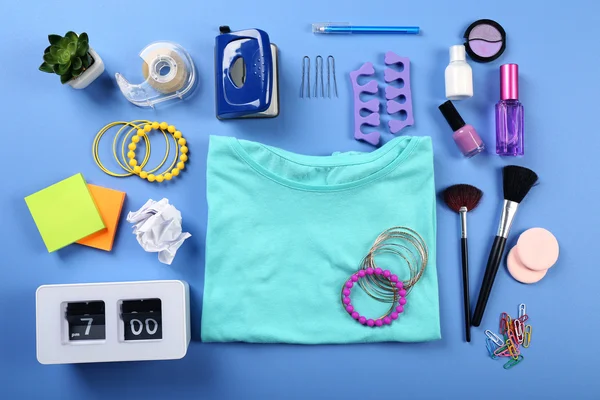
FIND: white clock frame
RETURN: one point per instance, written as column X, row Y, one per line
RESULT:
column 54, row 347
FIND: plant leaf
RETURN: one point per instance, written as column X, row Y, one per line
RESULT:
column 77, row 63
column 53, row 39
column 77, row 72
column 64, row 56
column 50, row 59
column 86, row 61
column 72, row 36
column 47, row 49
column 72, row 47
column 54, row 51
column 82, row 48
column 62, row 43
column 45, row 67
column 65, row 78
column 84, row 37
column 63, row 68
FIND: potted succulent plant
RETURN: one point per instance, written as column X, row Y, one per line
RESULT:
column 72, row 58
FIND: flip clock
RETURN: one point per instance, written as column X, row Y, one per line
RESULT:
column 117, row 321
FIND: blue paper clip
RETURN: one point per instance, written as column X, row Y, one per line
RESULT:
column 491, row 347
column 512, row 362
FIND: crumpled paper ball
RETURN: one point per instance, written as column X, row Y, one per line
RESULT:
column 157, row 228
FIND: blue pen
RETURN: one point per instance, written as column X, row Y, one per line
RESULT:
column 346, row 28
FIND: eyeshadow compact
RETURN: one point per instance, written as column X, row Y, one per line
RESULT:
column 485, row 40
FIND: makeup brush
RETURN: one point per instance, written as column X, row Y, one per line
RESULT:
column 462, row 199
column 517, row 182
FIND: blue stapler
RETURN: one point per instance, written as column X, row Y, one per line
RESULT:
column 246, row 75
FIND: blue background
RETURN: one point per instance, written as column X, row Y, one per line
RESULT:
column 48, row 132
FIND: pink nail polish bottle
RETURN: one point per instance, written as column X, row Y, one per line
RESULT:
column 465, row 136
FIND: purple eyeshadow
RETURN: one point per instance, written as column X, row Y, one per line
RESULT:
column 486, row 32
column 485, row 49
column 486, row 40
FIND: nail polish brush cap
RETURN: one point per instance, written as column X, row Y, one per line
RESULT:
column 452, row 116
column 509, row 82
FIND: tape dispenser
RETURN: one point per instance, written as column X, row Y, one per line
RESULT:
column 246, row 75
column 169, row 74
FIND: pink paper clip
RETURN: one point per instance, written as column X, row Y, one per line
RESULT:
column 524, row 318
column 518, row 331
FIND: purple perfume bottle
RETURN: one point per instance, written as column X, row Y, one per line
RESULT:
column 509, row 114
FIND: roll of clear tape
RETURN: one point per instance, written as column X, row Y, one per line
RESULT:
column 168, row 73
column 164, row 70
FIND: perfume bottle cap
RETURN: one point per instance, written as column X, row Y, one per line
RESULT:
column 457, row 53
column 509, row 82
column 452, row 116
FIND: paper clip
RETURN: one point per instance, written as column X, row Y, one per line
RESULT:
column 495, row 338
column 505, row 351
column 522, row 309
column 511, row 328
column 512, row 338
column 490, row 345
column 512, row 344
column 527, row 336
column 502, row 351
column 524, row 318
column 512, row 362
column 518, row 330
column 503, row 324
column 508, row 320
column 512, row 350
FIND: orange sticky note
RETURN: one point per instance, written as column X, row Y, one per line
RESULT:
column 109, row 203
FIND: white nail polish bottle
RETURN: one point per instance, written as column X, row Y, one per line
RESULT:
column 459, row 76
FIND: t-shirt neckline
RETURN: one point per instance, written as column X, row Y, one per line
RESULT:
column 343, row 159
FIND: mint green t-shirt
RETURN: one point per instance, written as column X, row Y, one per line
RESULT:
column 285, row 231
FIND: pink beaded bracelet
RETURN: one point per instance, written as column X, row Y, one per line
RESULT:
column 399, row 295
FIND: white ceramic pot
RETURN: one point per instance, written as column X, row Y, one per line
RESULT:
column 90, row 74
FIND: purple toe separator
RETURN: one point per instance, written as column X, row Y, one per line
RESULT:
column 371, row 105
column 404, row 94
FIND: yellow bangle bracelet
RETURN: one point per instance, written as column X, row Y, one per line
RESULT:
column 96, row 143
column 139, row 129
column 125, row 164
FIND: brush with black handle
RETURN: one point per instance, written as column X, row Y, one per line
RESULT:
column 517, row 181
column 462, row 199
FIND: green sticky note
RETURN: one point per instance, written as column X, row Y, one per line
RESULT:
column 65, row 212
